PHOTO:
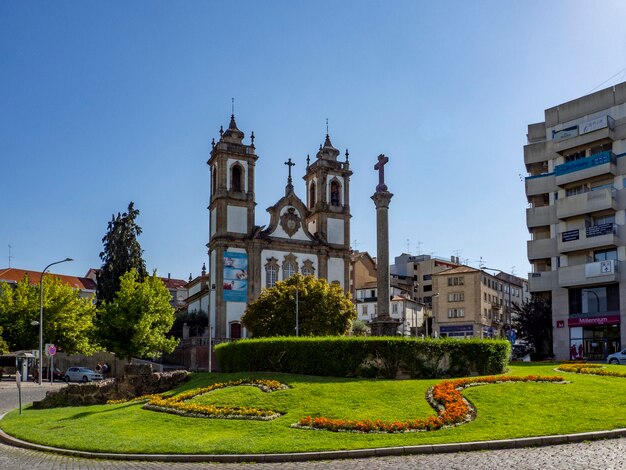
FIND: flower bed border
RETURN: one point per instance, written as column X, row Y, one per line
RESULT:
column 453, row 409
column 176, row 404
column 591, row 369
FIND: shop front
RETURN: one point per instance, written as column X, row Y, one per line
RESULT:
column 594, row 338
column 456, row 331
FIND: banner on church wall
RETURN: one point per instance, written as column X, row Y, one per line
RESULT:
column 235, row 277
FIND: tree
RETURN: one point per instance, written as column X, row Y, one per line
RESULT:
column 360, row 328
column 533, row 322
column 68, row 317
column 323, row 309
column 196, row 321
column 136, row 322
column 120, row 254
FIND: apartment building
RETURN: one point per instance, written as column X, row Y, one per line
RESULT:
column 577, row 200
column 420, row 269
column 471, row 303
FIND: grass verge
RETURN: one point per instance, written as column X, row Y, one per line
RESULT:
column 510, row 410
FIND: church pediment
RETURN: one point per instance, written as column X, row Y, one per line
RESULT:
column 287, row 220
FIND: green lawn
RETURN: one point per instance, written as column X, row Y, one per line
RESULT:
column 510, row 410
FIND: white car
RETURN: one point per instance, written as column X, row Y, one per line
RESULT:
column 81, row 374
column 617, row 358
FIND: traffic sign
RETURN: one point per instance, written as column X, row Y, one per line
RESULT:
column 51, row 350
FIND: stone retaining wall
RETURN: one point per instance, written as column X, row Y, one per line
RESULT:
column 124, row 388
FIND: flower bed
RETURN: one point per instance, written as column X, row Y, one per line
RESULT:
column 593, row 369
column 177, row 403
column 445, row 397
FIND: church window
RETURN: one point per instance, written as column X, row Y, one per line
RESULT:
column 213, row 179
column 307, row 268
column 334, row 193
column 271, row 272
column 312, row 194
column 236, row 178
column 290, row 266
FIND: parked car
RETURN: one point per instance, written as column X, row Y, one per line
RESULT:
column 617, row 358
column 81, row 374
column 57, row 374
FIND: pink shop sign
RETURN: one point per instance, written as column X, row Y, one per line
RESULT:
column 592, row 321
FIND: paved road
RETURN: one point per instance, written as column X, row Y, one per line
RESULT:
column 597, row 455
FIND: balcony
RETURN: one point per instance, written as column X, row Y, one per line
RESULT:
column 603, row 163
column 540, row 216
column 542, row 282
column 537, row 153
column 540, row 184
column 541, row 249
column 600, row 272
column 606, row 134
column 596, row 236
column 585, row 203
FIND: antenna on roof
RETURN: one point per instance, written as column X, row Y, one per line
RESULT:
column 10, row 257
column 232, row 106
column 419, row 251
column 408, row 246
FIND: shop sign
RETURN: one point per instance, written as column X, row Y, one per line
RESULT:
column 594, row 321
column 560, row 324
column 594, row 125
column 570, row 235
column 564, row 134
column 456, row 329
column 602, row 229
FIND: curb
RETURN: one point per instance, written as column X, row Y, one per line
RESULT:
column 539, row 441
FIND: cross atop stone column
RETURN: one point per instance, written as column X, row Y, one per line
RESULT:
column 380, row 166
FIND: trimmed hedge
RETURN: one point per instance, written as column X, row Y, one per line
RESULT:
column 387, row 357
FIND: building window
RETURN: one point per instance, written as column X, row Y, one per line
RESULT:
column 236, row 178
column 427, row 277
column 456, row 297
column 290, row 266
column 364, row 311
column 604, row 255
column 312, row 194
column 271, row 272
column 428, row 288
column 456, row 281
column 307, row 268
column 334, row 193
column 456, row 312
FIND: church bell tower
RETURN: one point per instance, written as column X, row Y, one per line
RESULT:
column 231, row 221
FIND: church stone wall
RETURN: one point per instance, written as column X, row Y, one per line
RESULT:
column 280, row 256
column 280, row 232
column 336, row 271
column 213, row 223
column 335, row 230
column 237, row 219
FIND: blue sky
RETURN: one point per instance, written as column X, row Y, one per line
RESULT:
column 102, row 103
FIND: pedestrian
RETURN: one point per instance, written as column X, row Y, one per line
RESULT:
column 98, row 368
column 105, row 369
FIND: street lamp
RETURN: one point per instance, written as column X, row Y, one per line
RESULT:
column 597, row 297
column 41, row 316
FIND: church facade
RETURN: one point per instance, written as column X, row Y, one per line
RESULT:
column 310, row 237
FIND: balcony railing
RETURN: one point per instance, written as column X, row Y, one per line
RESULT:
column 584, row 163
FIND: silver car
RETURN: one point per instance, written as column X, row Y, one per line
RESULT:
column 617, row 358
column 81, row 374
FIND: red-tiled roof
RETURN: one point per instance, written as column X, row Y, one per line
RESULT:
column 16, row 275
column 172, row 283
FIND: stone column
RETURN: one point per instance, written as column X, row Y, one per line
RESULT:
column 383, row 324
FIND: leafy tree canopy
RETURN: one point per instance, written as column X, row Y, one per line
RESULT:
column 533, row 322
column 136, row 322
column 324, row 309
column 121, row 253
column 196, row 321
column 67, row 317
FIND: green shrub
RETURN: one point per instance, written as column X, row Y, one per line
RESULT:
column 387, row 357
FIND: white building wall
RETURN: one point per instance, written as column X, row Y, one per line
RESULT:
column 234, row 312
column 237, row 218
column 335, row 231
column 335, row 270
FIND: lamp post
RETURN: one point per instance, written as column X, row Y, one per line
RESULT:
column 41, row 316
column 597, row 297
